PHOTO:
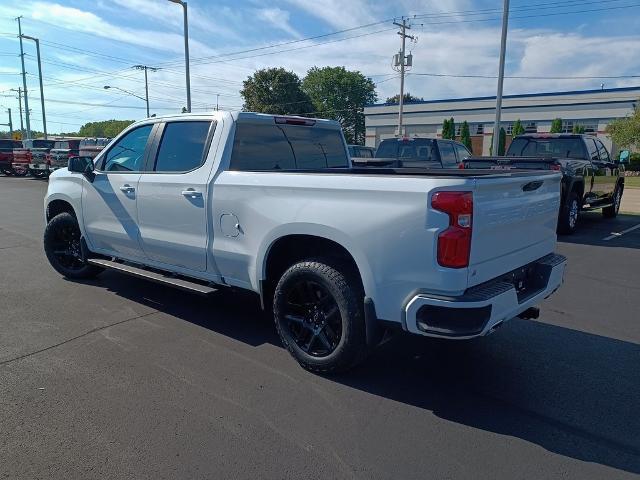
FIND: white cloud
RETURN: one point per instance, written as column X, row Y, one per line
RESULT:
column 278, row 18
column 339, row 13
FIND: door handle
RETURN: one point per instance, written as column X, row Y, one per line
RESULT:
column 191, row 192
column 127, row 189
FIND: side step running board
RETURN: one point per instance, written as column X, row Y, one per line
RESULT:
column 153, row 276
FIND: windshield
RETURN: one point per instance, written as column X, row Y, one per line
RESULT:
column 546, row 147
column 413, row 148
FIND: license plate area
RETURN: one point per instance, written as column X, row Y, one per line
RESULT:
column 528, row 280
column 501, row 167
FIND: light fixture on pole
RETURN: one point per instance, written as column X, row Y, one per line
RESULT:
column 107, row 87
column 44, row 115
column 186, row 51
column 146, row 82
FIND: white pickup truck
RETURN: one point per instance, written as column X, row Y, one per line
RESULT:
column 272, row 204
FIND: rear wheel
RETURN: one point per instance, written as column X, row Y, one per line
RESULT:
column 318, row 311
column 612, row 211
column 62, row 247
column 569, row 212
column 20, row 171
column 7, row 171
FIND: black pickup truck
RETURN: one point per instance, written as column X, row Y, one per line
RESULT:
column 416, row 152
column 591, row 179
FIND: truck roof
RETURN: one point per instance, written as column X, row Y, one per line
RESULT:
column 556, row 135
column 252, row 117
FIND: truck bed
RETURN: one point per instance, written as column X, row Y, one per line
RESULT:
column 422, row 172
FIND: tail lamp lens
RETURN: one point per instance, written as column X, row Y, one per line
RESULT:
column 454, row 243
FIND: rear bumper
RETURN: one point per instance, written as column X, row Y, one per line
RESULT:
column 484, row 307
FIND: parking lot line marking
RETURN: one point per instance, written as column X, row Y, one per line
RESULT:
column 619, row 234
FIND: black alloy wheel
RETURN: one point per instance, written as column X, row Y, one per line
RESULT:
column 313, row 318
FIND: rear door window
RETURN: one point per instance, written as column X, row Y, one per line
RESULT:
column 447, row 154
column 592, row 149
column 602, row 152
column 182, row 146
column 265, row 146
column 462, row 152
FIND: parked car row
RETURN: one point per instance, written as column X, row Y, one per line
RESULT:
column 41, row 157
column 591, row 178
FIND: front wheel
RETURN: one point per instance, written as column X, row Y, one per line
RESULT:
column 612, row 210
column 569, row 211
column 7, row 172
column 318, row 311
column 20, row 171
column 62, row 247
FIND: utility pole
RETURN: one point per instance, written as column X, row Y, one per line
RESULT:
column 146, row 82
column 10, row 121
column 44, row 115
column 19, row 90
column 217, row 102
column 24, row 80
column 400, row 60
column 503, row 48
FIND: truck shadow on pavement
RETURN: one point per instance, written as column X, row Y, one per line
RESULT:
column 593, row 229
column 572, row 393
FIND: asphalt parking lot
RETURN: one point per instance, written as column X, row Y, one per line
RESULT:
column 120, row 378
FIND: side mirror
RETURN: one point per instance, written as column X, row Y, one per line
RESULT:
column 83, row 165
column 624, row 156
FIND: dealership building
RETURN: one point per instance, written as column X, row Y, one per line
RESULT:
column 592, row 109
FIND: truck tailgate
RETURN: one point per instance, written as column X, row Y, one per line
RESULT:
column 514, row 223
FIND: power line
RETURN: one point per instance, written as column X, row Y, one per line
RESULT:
column 525, row 77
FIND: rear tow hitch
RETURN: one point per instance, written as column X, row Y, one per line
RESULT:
column 530, row 313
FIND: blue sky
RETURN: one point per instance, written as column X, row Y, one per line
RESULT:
column 88, row 44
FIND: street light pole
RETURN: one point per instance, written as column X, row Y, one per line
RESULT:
column 146, row 83
column 24, row 79
column 186, row 51
column 503, row 48
column 10, row 121
column 44, row 115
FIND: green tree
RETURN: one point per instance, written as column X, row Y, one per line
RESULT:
column 465, row 135
column 341, row 94
column 448, row 129
column 556, row 125
column 445, row 128
column 577, row 128
column 407, row 98
column 106, row 128
column 277, row 91
column 502, row 142
column 625, row 132
column 518, row 129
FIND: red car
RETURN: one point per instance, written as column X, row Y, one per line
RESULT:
column 6, row 154
column 33, row 152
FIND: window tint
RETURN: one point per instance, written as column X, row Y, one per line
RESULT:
column 447, row 154
column 263, row 146
column 182, row 146
column 365, row 153
column 127, row 155
column 406, row 148
column 546, row 147
column 462, row 152
column 602, row 151
column 591, row 148
column 43, row 143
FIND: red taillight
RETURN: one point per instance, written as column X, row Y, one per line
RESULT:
column 555, row 167
column 461, row 166
column 454, row 243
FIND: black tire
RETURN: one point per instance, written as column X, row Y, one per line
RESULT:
column 612, row 211
column 7, row 172
column 62, row 247
column 318, row 311
column 21, row 172
column 569, row 214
